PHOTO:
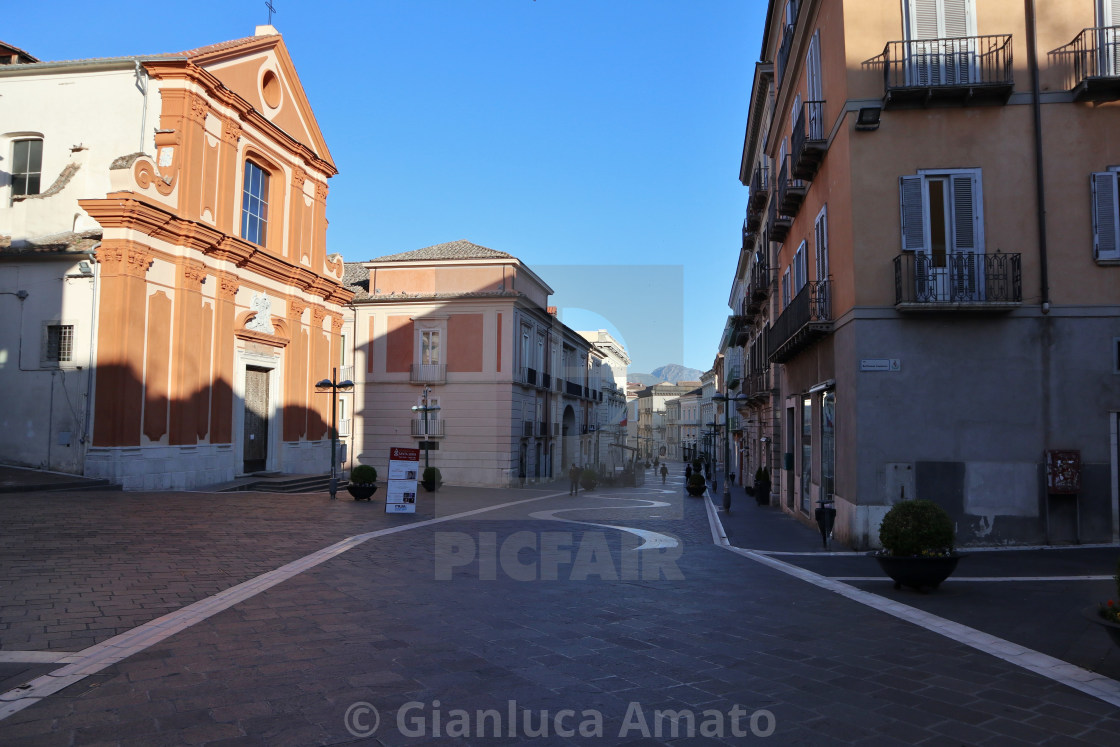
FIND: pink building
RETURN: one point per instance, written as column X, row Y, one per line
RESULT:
column 468, row 330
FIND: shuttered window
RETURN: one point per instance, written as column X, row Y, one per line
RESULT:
column 820, row 234
column 1106, row 216
column 941, row 212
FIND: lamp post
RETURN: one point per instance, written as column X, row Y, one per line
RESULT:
column 727, row 400
column 334, row 386
column 426, row 409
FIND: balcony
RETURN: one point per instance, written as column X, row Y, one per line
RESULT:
column 810, row 141
column 759, row 288
column 808, row 317
column 965, row 70
column 779, row 223
column 346, row 373
column 786, row 45
column 344, row 428
column 428, row 373
column 760, row 187
column 573, row 388
column 757, row 386
column 960, row 281
column 791, row 191
column 754, row 218
column 750, row 236
column 1092, row 64
column 435, row 428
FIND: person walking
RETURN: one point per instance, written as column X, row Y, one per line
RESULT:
column 664, row 473
column 573, row 479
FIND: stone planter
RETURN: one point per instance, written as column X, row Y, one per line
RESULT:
column 696, row 490
column 430, row 485
column 1113, row 629
column 361, row 492
column 917, row 572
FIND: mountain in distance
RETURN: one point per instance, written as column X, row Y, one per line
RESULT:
column 671, row 373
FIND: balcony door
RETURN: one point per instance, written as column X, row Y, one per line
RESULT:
column 942, row 225
column 940, row 46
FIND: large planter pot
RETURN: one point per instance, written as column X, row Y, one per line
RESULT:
column 361, row 492
column 696, row 490
column 430, row 485
column 588, row 484
column 762, row 493
column 1113, row 629
column 917, row 572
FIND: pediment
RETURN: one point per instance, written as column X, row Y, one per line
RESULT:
column 261, row 72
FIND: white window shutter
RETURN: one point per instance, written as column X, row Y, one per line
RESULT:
column 956, row 18
column 923, row 19
column 912, row 213
column 1105, row 216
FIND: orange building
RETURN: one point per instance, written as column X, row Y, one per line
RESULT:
column 927, row 299
column 166, row 256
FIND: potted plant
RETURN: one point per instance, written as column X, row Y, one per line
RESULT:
column 1107, row 614
column 762, row 486
column 588, row 479
column 361, row 485
column 696, row 485
column 431, row 479
column 917, row 539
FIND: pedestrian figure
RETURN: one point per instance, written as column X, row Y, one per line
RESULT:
column 664, row 473
column 573, row 479
column 687, row 472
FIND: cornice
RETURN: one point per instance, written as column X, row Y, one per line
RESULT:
column 125, row 210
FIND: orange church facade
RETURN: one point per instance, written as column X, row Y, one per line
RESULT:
column 216, row 306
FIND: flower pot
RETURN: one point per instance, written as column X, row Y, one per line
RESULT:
column 361, row 492
column 588, row 484
column 696, row 490
column 1113, row 629
column 917, row 571
column 430, row 485
column 762, row 493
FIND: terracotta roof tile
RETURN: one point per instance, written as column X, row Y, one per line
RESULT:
column 450, row 251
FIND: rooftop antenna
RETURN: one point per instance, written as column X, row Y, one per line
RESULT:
column 271, row 10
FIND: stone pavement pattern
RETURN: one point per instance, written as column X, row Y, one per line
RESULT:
column 375, row 625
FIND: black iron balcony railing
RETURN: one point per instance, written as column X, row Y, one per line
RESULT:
column 428, row 373
column 749, row 237
column 573, row 388
column 435, row 427
column 760, row 278
column 810, row 141
column 1092, row 63
column 760, row 186
column 791, row 190
column 779, row 223
column 754, row 217
column 964, row 281
column 808, row 316
column 787, row 40
column 758, row 354
column 967, row 69
column 757, row 385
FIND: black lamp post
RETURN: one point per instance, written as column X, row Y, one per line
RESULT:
column 334, row 386
column 727, row 400
column 425, row 408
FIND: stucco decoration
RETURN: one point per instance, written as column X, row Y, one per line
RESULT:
column 335, row 265
column 261, row 321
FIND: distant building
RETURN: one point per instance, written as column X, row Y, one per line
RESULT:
column 612, row 411
column 468, row 329
column 167, row 295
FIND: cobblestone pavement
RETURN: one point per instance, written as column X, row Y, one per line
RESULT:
column 479, row 623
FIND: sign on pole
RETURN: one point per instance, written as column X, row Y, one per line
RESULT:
column 404, row 465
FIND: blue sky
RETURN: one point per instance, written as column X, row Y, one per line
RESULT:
column 596, row 140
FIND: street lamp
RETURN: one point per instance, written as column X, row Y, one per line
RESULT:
column 727, row 444
column 334, row 386
column 426, row 408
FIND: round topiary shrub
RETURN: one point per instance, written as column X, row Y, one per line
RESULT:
column 916, row 527
column 696, row 480
column 363, row 474
column 432, row 474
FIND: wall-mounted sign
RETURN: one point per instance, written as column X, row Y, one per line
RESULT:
column 880, row 364
column 400, row 495
column 1063, row 471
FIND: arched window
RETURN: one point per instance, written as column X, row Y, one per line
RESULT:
column 254, row 204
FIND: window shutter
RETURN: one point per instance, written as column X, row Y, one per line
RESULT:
column 964, row 213
column 1105, row 216
column 913, row 213
column 923, row 19
column 956, row 17
column 821, row 235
